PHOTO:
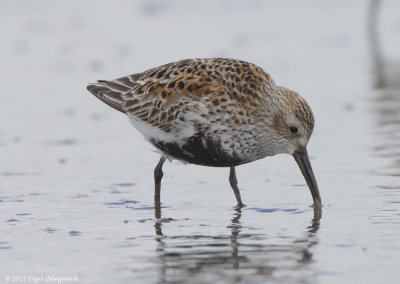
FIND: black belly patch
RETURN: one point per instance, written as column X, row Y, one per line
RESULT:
column 200, row 151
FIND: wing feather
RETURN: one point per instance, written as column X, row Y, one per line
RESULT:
column 161, row 96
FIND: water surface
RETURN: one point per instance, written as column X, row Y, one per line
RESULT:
column 76, row 180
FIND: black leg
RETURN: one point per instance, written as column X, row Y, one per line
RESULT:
column 158, row 174
column 234, row 184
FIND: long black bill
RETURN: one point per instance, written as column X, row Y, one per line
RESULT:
column 303, row 161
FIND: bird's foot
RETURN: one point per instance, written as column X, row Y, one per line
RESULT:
column 239, row 206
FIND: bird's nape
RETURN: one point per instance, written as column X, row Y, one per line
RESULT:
column 302, row 159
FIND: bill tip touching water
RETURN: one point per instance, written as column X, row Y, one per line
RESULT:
column 214, row 112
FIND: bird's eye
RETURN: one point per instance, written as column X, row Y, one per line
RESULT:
column 293, row 129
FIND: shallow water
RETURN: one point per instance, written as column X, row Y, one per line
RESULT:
column 76, row 182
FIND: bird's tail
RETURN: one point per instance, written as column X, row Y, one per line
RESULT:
column 109, row 92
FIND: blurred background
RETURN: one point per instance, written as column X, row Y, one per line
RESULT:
column 76, row 178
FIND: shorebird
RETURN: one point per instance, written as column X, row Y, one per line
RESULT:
column 214, row 112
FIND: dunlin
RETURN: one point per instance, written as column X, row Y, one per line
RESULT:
column 214, row 112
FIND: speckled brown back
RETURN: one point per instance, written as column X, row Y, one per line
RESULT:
column 159, row 95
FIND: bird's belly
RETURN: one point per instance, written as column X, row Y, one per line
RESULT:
column 200, row 151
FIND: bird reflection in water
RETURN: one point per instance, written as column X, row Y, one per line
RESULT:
column 240, row 255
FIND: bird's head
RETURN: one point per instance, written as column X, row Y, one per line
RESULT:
column 293, row 123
